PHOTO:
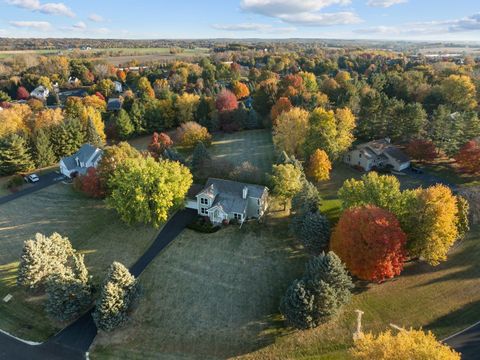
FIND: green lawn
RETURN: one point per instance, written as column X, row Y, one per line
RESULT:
column 446, row 169
column 210, row 296
column 255, row 146
column 93, row 229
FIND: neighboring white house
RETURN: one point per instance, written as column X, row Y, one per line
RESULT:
column 40, row 93
column 118, row 86
column 377, row 154
column 226, row 200
column 77, row 164
column 72, row 80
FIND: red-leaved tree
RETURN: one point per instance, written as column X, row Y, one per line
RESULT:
column 160, row 142
column 226, row 101
column 370, row 242
column 91, row 185
column 22, row 93
column 468, row 158
column 422, row 150
column 282, row 105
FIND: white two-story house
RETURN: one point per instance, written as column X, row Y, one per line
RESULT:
column 230, row 200
column 77, row 164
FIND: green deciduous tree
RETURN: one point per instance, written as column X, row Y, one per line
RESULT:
column 286, row 181
column 119, row 293
column 146, row 191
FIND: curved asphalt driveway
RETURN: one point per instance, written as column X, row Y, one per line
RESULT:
column 45, row 181
column 73, row 342
column 466, row 342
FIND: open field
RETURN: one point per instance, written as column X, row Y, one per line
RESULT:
column 255, row 146
column 210, row 296
column 116, row 56
column 94, row 230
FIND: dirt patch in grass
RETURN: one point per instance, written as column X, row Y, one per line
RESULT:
column 92, row 228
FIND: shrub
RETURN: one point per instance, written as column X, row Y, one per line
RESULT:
column 14, row 182
column 191, row 133
column 246, row 172
column 202, row 224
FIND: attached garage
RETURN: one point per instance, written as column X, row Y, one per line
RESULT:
column 191, row 204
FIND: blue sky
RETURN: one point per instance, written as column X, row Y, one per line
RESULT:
column 365, row 19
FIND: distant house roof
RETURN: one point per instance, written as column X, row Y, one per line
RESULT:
column 64, row 95
column 228, row 194
column 114, row 104
column 397, row 154
column 82, row 155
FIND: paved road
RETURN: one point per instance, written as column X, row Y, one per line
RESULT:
column 74, row 341
column 467, row 343
column 45, row 181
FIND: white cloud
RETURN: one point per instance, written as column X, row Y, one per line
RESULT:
column 302, row 12
column 80, row 25
column 385, row 3
column 47, row 8
column 96, row 18
column 467, row 24
column 265, row 28
column 36, row 25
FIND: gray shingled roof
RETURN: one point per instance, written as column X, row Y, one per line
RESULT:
column 235, row 188
column 229, row 194
column 114, row 104
column 397, row 154
column 83, row 154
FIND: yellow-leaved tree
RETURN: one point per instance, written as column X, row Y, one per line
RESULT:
column 431, row 223
column 319, row 166
column 405, row 345
column 290, row 130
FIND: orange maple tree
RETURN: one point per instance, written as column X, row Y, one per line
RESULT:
column 468, row 158
column 370, row 242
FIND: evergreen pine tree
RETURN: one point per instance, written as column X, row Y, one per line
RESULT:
column 119, row 292
column 199, row 157
column 308, row 198
column 14, row 155
column 319, row 295
column 313, row 231
column 297, row 306
column 328, row 279
column 137, row 117
column 92, row 136
column 44, row 154
column 123, row 125
column 69, row 292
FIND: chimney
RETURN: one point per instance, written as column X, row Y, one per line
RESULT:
column 245, row 192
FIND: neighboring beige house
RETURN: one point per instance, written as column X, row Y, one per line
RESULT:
column 377, row 154
column 77, row 164
column 226, row 200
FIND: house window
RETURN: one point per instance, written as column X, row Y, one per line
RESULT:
column 359, row 155
column 258, row 201
column 203, row 201
column 203, row 211
column 237, row 216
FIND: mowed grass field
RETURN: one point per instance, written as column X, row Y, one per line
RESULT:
column 92, row 228
column 255, row 146
column 210, row 296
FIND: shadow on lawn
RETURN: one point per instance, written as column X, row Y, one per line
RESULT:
column 456, row 320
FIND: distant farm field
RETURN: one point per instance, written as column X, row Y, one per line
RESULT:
column 116, row 56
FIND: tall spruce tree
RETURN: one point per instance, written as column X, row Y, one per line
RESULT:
column 44, row 154
column 312, row 229
column 319, row 295
column 69, row 292
column 123, row 125
column 119, row 292
column 199, row 157
column 14, row 155
column 298, row 306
